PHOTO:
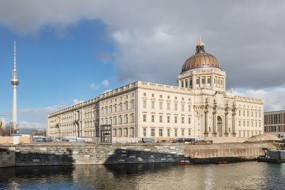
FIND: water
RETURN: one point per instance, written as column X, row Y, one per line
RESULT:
column 247, row 175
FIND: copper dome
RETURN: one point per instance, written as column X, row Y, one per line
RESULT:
column 201, row 59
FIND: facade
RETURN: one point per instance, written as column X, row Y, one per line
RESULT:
column 274, row 123
column 198, row 107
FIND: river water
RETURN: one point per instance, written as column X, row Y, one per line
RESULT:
column 246, row 175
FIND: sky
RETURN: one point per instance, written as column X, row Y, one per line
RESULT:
column 70, row 51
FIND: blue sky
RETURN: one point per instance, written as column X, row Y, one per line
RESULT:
column 70, row 51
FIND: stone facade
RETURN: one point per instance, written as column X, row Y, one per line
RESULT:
column 73, row 154
column 199, row 107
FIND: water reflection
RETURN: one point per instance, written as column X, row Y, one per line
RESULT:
column 249, row 175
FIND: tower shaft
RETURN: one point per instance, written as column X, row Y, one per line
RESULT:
column 15, row 81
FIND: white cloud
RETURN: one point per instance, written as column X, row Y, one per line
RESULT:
column 76, row 101
column 273, row 98
column 153, row 39
column 36, row 117
column 94, row 86
column 104, row 83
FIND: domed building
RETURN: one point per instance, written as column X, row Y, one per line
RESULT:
column 199, row 107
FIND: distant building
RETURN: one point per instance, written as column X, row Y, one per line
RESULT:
column 198, row 107
column 274, row 123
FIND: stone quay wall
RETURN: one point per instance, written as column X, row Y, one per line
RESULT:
column 72, row 154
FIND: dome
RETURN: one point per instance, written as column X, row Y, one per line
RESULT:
column 200, row 59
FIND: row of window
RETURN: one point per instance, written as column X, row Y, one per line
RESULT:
column 244, row 123
column 118, row 107
column 248, row 113
column 161, row 132
column 274, row 118
column 168, row 119
column 168, row 97
column 127, row 118
column 168, row 106
column 278, row 128
column 120, row 98
column 123, row 132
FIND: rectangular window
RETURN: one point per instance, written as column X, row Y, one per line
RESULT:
column 144, row 104
column 144, row 132
column 189, row 120
column 152, row 118
column 189, row 132
column 197, row 81
column 168, row 106
column 175, row 132
column 175, row 119
column 182, row 119
column 168, row 119
column 182, row 132
column 144, row 117
column 189, row 108
column 160, row 132
column 168, row 132
column 209, row 80
column 160, row 118
column 182, row 107
column 160, row 105
column 152, row 105
column 175, row 107
column 152, row 132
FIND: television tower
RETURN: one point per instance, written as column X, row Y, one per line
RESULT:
column 14, row 81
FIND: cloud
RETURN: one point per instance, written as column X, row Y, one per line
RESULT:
column 104, row 83
column 273, row 98
column 36, row 117
column 76, row 101
column 153, row 39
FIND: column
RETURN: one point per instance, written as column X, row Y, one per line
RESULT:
column 206, row 122
column 226, row 123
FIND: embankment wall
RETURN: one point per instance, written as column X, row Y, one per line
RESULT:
column 71, row 154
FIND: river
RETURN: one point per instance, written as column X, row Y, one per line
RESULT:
column 246, row 175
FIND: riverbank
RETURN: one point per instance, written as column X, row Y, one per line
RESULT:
column 81, row 154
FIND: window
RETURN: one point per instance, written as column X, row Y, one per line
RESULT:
column 144, row 132
column 160, row 105
column 127, row 105
column 182, row 119
column 126, row 119
column 189, row 108
column 209, row 80
column 182, row 132
column 144, row 104
column 160, row 132
column 175, row 119
column 175, row 132
column 152, row 132
column 126, row 132
column 197, row 81
column 189, row 132
column 152, row 118
column 168, row 106
column 132, row 118
column 144, row 117
column 175, row 107
column 189, row 120
column 168, row 132
column 182, row 107
column 168, row 119
column 160, row 118
column 152, row 105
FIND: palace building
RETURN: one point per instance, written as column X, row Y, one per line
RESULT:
column 198, row 107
